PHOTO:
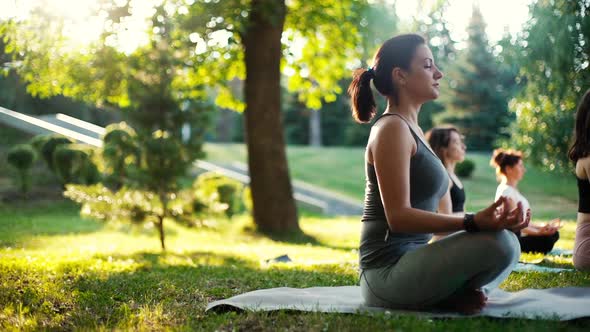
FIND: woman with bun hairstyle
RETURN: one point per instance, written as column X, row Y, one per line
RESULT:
column 510, row 170
column 405, row 184
column 448, row 145
column 579, row 153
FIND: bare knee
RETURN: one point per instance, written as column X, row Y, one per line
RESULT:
column 581, row 262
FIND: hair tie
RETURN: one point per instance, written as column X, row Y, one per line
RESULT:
column 371, row 71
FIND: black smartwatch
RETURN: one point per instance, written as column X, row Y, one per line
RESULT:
column 469, row 223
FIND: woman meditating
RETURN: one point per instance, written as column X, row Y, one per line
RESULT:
column 510, row 170
column 405, row 184
column 580, row 154
column 448, row 145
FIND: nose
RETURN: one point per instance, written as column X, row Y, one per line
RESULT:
column 438, row 74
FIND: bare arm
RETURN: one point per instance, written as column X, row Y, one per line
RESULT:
column 391, row 147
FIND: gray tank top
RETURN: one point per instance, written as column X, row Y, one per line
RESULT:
column 381, row 246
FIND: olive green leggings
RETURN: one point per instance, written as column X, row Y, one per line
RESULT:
column 430, row 274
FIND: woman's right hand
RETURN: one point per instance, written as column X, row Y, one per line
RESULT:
column 498, row 216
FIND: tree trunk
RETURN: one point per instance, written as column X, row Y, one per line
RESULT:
column 272, row 195
column 161, row 218
column 315, row 128
column 160, row 225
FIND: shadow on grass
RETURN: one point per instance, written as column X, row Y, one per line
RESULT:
column 295, row 237
column 174, row 289
column 166, row 291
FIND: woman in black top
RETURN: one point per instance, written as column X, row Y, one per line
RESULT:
column 448, row 145
column 580, row 154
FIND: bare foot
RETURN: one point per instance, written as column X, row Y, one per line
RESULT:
column 468, row 302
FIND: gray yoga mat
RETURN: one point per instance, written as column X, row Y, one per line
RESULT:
column 551, row 304
column 526, row 267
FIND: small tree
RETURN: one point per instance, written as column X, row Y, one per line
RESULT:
column 151, row 185
column 21, row 157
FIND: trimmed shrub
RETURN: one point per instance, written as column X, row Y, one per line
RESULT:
column 226, row 191
column 465, row 168
column 73, row 164
column 21, row 157
column 120, row 150
column 38, row 141
column 49, row 147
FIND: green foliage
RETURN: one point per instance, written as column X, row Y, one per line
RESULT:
column 135, row 206
column 50, row 144
column 120, row 150
column 38, row 142
column 21, row 157
column 555, row 53
column 124, row 205
column 434, row 27
column 73, row 164
column 226, row 191
column 465, row 168
column 478, row 103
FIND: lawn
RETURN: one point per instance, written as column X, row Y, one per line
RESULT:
column 61, row 272
column 341, row 170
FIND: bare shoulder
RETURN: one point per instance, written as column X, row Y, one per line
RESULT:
column 391, row 133
column 390, row 128
column 583, row 168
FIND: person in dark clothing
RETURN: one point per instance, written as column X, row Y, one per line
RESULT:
column 448, row 145
column 579, row 153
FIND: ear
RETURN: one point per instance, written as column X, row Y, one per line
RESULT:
column 399, row 76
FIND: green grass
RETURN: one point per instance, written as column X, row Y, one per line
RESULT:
column 61, row 272
column 58, row 271
column 341, row 170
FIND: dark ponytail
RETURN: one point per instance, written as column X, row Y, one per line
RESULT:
column 363, row 103
column 504, row 158
column 581, row 145
column 396, row 52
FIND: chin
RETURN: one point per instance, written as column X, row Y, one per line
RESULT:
column 431, row 97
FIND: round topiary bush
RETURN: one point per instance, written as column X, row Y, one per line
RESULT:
column 227, row 191
column 73, row 164
column 465, row 168
column 38, row 141
column 49, row 147
column 21, row 157
column 120, row 150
